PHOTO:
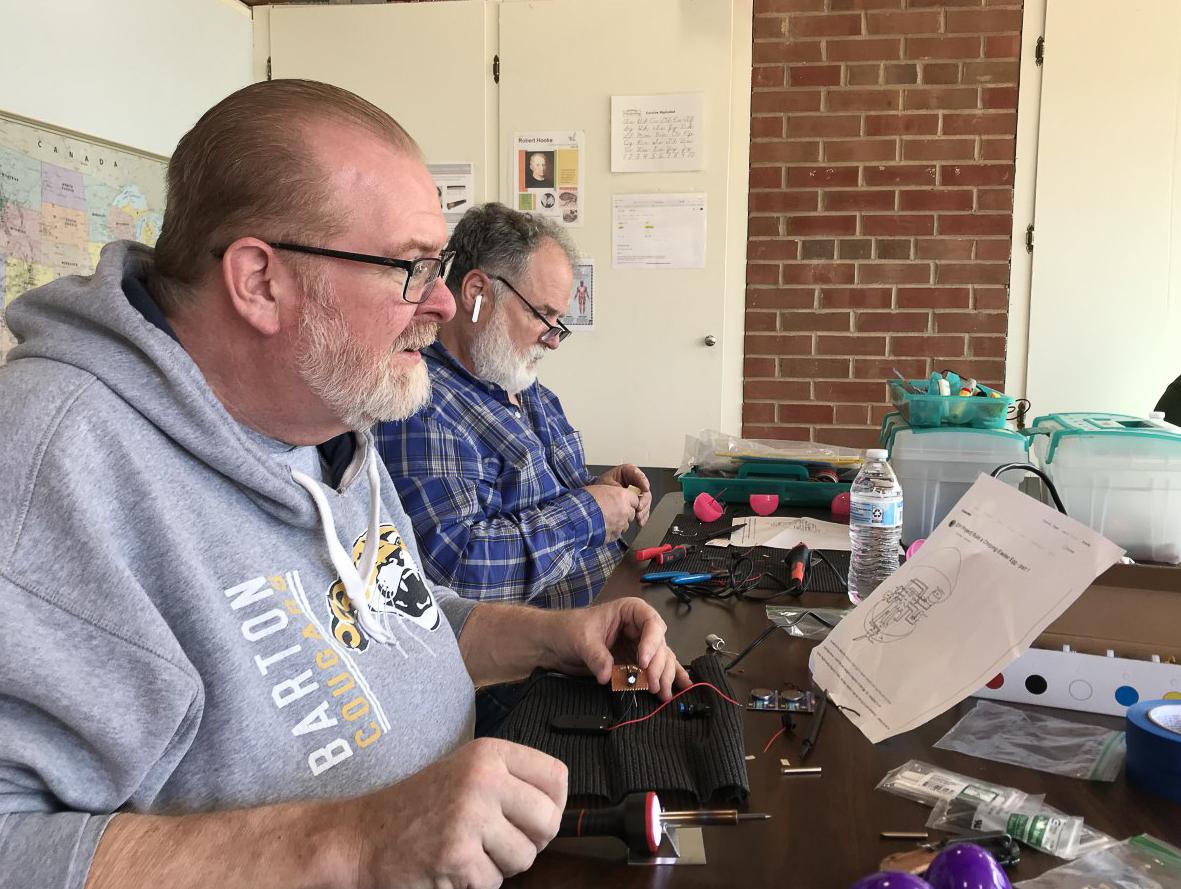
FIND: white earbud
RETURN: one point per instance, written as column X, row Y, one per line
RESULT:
column 476, row 308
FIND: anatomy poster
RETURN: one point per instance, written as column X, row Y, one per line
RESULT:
column 582, row 298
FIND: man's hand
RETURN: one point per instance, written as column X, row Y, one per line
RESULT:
column 588, row 640
column 618, row 505
column 472, row 819
column 625, row 475
column 469, row 820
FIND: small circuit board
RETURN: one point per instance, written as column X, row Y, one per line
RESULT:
column 628, row 677
column 774, row 701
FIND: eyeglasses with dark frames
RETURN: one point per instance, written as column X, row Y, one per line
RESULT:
column 559, row 330
column 421, row 274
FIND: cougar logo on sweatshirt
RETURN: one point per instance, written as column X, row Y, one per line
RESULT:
column 397, row 589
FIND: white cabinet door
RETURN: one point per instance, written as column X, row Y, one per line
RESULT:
column 428, row 64
column 644, row 377
column 1105, row 307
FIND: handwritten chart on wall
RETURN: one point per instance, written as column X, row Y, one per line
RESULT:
column 61, row 198
column 657, row 134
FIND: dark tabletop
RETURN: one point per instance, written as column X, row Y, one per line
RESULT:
column 825, row 830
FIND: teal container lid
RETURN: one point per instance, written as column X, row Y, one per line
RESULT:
column 1060, row 427
column 956, row 430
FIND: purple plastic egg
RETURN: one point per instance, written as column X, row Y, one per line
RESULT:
column 966, row 866
column 891, row 880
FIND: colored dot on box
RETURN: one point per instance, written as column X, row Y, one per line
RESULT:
column 1173, row 696
column 1126, row 696
column 997, row 681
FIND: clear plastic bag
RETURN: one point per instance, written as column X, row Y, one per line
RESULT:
column 928, row 784
column 932, row 786
column 1142, row 862
column 1037, row 741
column 792, row 618
column 1034, row 825
column 956, row 815
column 710, row 449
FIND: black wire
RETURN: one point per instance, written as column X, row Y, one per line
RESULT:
column 1029, row 467
column 763, row 636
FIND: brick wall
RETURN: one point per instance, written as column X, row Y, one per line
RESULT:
column 881, row 195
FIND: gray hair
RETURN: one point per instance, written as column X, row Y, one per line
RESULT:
column 500, row 241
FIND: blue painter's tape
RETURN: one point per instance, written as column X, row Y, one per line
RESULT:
column 1154, row 747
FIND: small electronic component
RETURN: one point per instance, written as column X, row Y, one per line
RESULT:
column 693, row 711
column 792, row 700
column 627, row 677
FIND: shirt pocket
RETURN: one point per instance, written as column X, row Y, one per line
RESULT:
column 568, row 459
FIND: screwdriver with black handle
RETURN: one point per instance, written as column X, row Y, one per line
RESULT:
column 640, row 822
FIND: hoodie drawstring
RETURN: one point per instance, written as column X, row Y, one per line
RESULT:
column 356, row 583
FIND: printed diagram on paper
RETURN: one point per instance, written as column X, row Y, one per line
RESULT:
column 903, row 606
column 994, row 574
column 548, row 173
column 61, row 199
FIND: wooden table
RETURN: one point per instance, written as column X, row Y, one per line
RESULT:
column 825, row 830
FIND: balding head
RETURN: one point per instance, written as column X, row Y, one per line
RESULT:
column 247, row 169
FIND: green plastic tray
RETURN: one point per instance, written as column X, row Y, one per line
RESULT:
column 788, row 480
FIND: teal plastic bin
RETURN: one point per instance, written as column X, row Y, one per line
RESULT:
column 949, row 410
column 790, row 481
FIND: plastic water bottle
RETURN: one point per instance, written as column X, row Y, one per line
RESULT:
column 875, row 525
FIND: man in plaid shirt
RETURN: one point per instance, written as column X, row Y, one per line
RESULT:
column 491, row 473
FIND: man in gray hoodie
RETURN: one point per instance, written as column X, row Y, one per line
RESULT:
column 214, row 620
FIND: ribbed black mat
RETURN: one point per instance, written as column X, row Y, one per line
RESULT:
column 769, row 562
column 688, row 761
column 828, row 574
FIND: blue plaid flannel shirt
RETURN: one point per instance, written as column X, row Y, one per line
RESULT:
column 496, row 494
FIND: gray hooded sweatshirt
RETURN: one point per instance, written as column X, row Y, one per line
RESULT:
column 179, row 627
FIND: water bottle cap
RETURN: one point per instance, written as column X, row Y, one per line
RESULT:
column 877, row 454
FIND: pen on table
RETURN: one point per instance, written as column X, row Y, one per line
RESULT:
column 810, row 741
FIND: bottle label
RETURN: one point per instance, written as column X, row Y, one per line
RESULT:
column 879, row 513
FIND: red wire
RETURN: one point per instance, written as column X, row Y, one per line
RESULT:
column 673, row 698
column 773, row 737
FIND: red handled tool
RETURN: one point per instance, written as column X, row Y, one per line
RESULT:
column 662, row 555
column 799, row 564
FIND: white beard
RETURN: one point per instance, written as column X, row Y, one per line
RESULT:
column 360, row 388
column 496, row 359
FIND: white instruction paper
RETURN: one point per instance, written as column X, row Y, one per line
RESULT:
column 994, row 574
column 785, row 532
column 658, row 231
column 657, row 134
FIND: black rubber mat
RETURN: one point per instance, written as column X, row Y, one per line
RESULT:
column 688, row 761
column 828, row 574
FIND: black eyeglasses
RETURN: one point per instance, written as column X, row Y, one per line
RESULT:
column 559, row 330
column 421, row 274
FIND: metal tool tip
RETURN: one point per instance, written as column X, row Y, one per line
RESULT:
column 753, row 816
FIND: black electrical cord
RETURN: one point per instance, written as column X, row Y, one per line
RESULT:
column 1029, row 467
column 763, row 636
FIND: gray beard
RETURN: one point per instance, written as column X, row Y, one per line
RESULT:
column 495, row 358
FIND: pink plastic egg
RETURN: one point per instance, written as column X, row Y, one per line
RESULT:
column 706, row 508
column 840, row 504
column 764, row 504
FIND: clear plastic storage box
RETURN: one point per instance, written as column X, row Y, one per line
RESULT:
column 936, row 465
column 1119, row 474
